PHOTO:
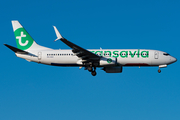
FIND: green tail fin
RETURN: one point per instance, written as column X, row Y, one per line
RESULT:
column 23, row 39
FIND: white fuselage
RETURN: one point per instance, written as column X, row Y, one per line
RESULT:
column 112, row 60
column 125, row 57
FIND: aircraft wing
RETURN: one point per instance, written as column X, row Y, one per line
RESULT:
column 80, row 52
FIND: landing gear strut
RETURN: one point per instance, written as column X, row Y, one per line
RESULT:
column 161, row 66
column 94, row 72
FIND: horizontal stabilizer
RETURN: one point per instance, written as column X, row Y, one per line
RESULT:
column 16, row 50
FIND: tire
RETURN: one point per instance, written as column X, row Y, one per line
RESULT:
column 93, row 73
column 89, row 69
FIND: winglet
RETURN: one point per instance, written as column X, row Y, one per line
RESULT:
column 59, row 36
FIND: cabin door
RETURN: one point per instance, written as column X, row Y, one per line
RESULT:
column 39, row 55
column 156, row 55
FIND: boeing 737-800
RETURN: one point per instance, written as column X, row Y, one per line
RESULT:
column 111, row 60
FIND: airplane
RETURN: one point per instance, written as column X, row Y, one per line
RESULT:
column 110, row 60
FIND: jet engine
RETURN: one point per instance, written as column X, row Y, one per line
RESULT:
column 108, row 61
column 117, row 69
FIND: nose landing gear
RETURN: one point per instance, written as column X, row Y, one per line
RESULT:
column 161, row 66
column 159, row 71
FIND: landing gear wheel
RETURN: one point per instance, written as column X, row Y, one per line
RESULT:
column 89, row 69
column 159, row 71
column 93, row 73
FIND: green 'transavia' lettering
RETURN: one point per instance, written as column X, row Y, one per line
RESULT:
column 132, row 54
column 123, row 54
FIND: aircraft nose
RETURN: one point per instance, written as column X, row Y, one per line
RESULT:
column 173, row 59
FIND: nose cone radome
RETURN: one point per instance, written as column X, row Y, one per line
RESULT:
column 173, row 59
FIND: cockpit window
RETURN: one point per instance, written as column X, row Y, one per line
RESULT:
column 166, row 54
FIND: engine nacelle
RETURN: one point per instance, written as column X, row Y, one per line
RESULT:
column 117, row 69
column 108, row 61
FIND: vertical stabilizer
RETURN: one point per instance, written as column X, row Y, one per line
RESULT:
column 23, row 39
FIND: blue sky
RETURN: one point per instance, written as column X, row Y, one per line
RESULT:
column 35, row 91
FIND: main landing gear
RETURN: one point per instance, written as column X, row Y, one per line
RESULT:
column 93, row 72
